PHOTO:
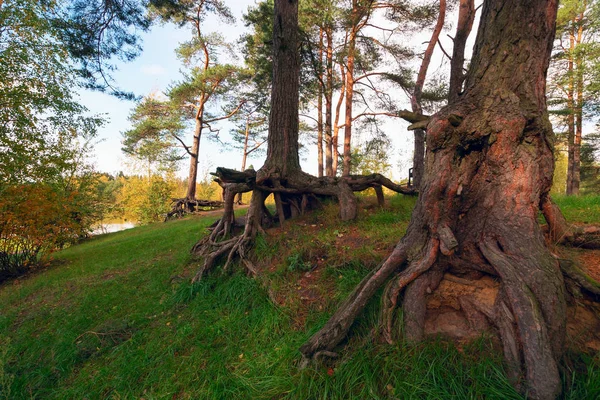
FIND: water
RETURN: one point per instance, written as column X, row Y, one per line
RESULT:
column 109, row 228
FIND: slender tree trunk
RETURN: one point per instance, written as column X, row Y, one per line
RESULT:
column 579, row 112
column 349, row 92
column 320, row 109
column 466, row 16
column 336, row 126
column 329, row 103
column 245, row 154
column 419, row 146
column 571, row 117
column 490, row 166
column 193, row 173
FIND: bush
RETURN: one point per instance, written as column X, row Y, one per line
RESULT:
column 36, row 219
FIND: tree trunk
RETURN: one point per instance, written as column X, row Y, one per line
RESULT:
column 466, row 16
column 489, row 165
column 419, row 146
column 245, row 154
column 579, row 115
column 320, row 110
column 571, row 117
column 193, row 173
column 282, row 151
column 349, row 92
column 329, row 103
column 336, row 126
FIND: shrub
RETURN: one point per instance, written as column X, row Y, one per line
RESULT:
column 36, row 219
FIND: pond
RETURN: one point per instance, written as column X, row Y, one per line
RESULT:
column 112, row 227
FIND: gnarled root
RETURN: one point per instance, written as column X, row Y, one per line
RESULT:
column 338, row 325
column 213, row 250
column 561, row 232
column 295, row 195
column 540, row 324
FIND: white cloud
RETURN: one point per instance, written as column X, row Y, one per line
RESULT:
column 153, row 70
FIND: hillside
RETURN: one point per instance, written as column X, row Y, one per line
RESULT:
column 117, row 317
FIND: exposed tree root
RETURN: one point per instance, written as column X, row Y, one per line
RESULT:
column 181, row 207
column 295, row 195
column 561, row 232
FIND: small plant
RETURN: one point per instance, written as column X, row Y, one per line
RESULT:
column 297, row 264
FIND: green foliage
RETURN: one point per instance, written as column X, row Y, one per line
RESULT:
column 372, row 157
column 146, row 199
column 41, row 123
column 36, row 219
column 297, row 264
column 153, row 137
column 590, row 163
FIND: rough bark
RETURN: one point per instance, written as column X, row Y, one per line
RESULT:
column 244, row 154
column 489, row 165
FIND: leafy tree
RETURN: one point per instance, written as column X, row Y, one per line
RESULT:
column 146, row 199
column 41, row 121
column 156, row 134
column 575, row 73
column 372, row 157
column 590, row 163
column 206, row 83
column 46, row 182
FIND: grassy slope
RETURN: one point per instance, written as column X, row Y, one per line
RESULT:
column 114, row 319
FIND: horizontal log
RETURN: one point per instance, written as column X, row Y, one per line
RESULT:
column 199, row 203
column 413, row 117
column 227, row 175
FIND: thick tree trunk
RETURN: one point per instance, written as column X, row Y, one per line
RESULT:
column 282, row 152
column 489, row 165
column 579, row 120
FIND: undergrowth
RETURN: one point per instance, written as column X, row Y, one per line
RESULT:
column 117, row 317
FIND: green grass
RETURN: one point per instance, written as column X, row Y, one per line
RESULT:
column 117, row 317
column 583, row 209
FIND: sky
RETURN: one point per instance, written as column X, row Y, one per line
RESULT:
column 157, row 67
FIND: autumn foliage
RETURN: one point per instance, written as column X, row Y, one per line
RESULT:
column 35, row 220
